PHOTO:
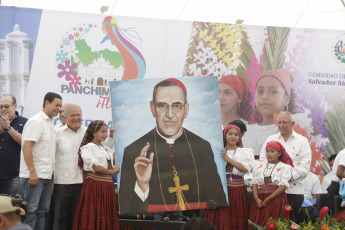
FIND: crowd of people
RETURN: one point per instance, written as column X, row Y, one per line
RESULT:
column 76, row 164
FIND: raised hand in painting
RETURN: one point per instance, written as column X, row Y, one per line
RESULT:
column 143, row 168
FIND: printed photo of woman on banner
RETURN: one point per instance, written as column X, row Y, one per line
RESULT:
column 270, row 60
column 168, row 144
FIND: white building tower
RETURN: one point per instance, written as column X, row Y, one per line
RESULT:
column 16, row 54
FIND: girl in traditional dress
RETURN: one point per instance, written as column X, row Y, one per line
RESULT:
column 270, row 180
column 239, row 161
column 97, row 206
column 234, row 99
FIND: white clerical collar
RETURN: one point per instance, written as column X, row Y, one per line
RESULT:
column 170, row 141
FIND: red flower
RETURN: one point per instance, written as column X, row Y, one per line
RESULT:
column 287, row 209
column 271, row 225
column 323, row 212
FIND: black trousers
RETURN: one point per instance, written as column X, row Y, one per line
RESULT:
column 332, row 190
column 295, row 201
column 66, row 201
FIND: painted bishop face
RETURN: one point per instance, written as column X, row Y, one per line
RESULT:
column 169, row 109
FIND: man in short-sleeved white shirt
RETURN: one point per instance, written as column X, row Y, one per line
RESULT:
column 299, row 150
column 68, row 177
column 312, row 186
column 38, row 160
column 337, row 173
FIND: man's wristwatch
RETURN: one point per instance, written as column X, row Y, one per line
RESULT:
column 8, row 128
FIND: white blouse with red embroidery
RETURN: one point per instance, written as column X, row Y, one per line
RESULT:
column 280, row 173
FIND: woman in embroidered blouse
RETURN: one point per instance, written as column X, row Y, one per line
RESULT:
column 270, row 180
column 239, row 161
column 97, row 206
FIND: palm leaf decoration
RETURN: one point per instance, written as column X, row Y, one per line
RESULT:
column 335, row 124
column 247, row 51
column 217, row 49
column 275, row 47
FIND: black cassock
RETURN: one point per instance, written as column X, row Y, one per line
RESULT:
column 191, row 157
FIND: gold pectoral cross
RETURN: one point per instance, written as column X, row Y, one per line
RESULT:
column 178, row 189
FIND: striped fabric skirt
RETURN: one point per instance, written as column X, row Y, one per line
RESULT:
column 260, row 216
column 237, row 214
column 97, row 207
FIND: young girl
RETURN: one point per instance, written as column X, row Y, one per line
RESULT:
column 234, row 99
column 272, row 95
column 97, row 206
column 239, row 161
column 270, row 180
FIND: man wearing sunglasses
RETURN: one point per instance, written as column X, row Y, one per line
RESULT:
column 11, row 128
column 169, row 168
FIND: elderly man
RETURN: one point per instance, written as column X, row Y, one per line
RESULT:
column 62, row 116
column 68, row 176
column 11, row 128
column 299, row 150
column 169, row 168
column 38, row 160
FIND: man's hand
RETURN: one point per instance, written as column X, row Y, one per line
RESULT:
column 143, row 168
column 4, row 122
column 33, row 179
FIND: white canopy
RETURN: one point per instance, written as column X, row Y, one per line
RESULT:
column 293, row 13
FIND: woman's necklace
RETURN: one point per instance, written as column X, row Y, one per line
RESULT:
column 229, row 167
column 268, row 179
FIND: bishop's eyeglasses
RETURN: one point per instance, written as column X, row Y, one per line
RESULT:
column 176, row 107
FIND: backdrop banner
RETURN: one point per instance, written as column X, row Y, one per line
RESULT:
column 261, row 70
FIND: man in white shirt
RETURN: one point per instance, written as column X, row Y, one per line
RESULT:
column 62, row 116
column 328, row 178
column 38, row 159
column 299, row 150
column 68, row 177
column 337, row 173
column 312, row 187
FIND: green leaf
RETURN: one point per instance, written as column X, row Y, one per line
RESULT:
column 275, row 47
column 254, row 226
column 308, row 216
